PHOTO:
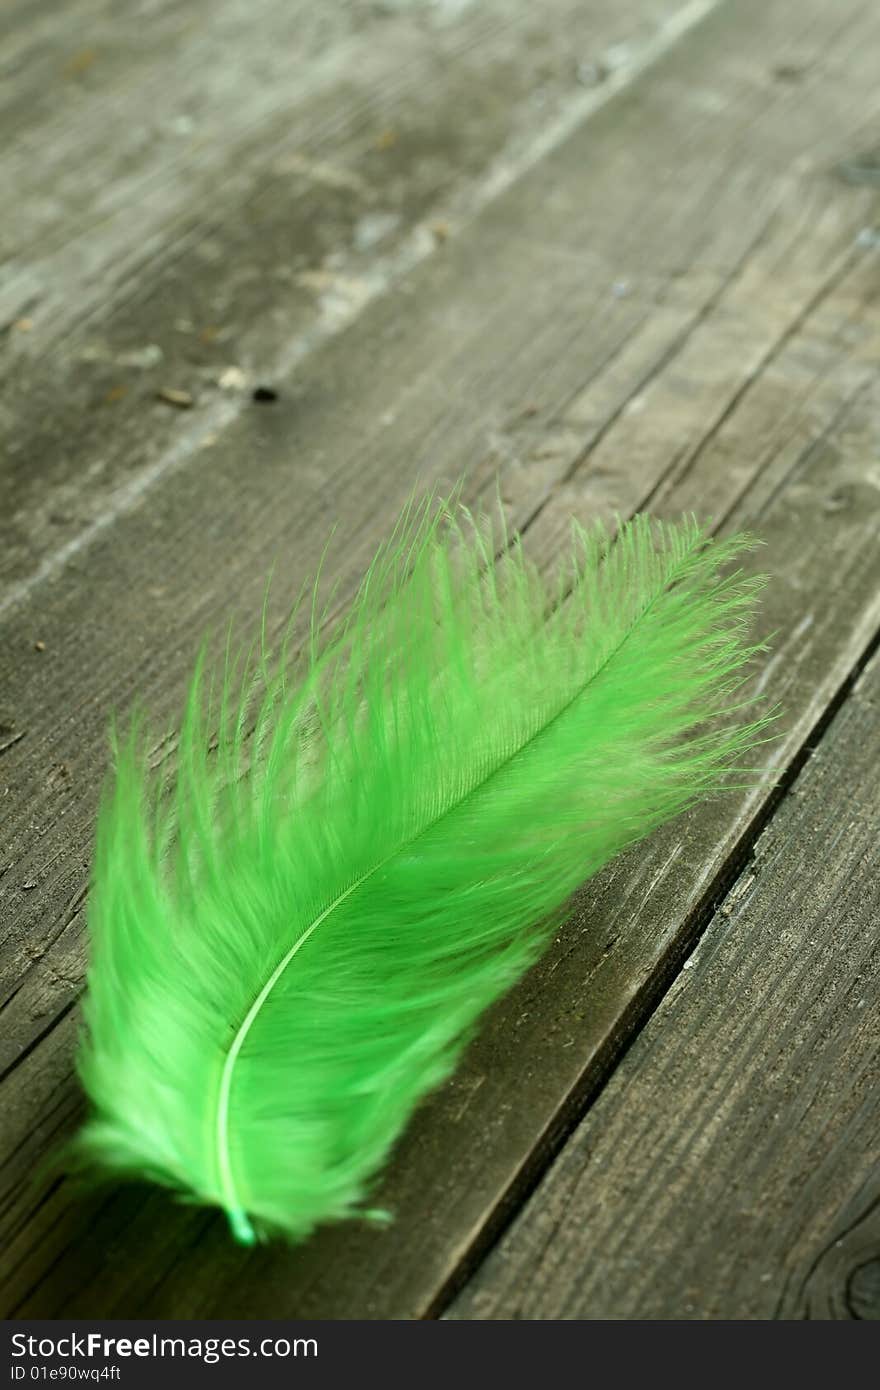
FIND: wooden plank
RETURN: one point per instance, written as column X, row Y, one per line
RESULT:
column 730, row 1167
column 454, row 379
column 177, row 214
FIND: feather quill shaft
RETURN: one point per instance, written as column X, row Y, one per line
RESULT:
column 293, row 945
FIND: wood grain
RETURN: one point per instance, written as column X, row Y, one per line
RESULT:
column 675, row 306
column 177, row 213
column 730, row 1167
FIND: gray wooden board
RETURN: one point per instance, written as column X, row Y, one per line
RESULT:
column 731, row 1167
column 172, row 214
column 692, row 324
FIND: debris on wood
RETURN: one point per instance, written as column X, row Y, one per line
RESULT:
column 232, row 379
column 59, row 776
column 11, row 742
column 150, row 355
column 171, row 396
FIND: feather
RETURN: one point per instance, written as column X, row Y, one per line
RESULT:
column 292, row 944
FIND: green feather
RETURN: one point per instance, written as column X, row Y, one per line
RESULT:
column 291, row 946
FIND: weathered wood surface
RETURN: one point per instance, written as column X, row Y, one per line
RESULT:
column 197, row 188
column 731, row 1167
column 673, row 306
